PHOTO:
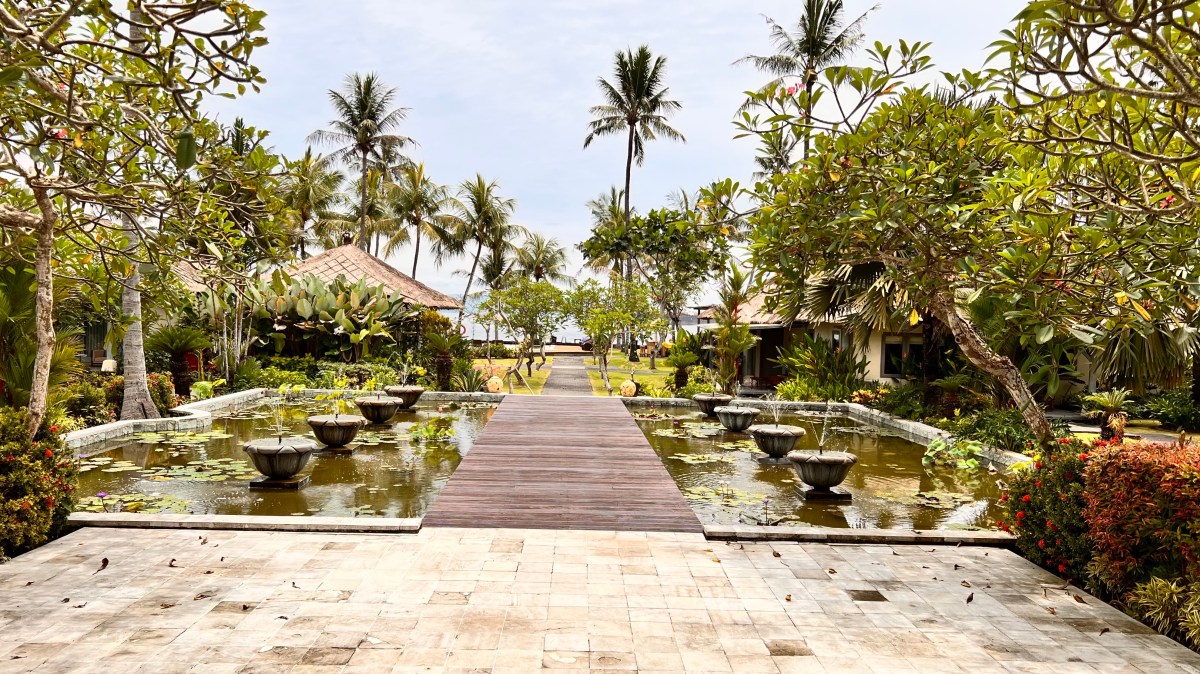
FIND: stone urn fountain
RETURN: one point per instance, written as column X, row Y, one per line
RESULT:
column 709, row 402
column 280, row 459
column 776, row 440
column 407, row 393
column 335, row 431
column 378, row 409
column 736, row 419
column 822, row 472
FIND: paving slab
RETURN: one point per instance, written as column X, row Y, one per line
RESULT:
column 507, row 601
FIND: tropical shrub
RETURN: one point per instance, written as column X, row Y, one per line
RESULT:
column 497, row 350
column 340, row 319
column 470, row 381
column 700, row 380
column 1171, row 607
column 304, row 364
column 836, row 373
column 1046, row 500
column 796, row 389
column 86, row 401
column 177, row 341
column 357, row 375
column 906, row 401
column 1110, row 408
column 273, row 377
column 1143, row 506
column 36, row 481
column 162, row 392
column 203, row 390
column 442, row 346
column 1003, row 429
column 1174, row 408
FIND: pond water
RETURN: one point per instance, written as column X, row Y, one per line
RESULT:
column 720, row 475
column 396, row 471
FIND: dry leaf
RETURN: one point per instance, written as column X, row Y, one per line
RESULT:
column 959, row 566
column 1050, row 610
column 29, row 583
column 103, row 566
column 245, row 607
column 716, row 560
column 66, row 599
column 970, row 597
column 1079, row 599
column 80, row 605
column 787, row 598
column 165, row 605
column 831, row 571
column 1103, row 631
column 965, row 583
column 202, row 595
column 204, row 540
column 775, row 553
column 172, row 563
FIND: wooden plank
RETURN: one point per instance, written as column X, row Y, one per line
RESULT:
column 547, row 462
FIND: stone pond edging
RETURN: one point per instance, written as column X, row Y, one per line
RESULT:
column 746, row 532
column 913, row 431
column 322, row 524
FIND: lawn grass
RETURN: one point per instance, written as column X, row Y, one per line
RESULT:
column 657, row 379
column 619, row 362
column 537, row 381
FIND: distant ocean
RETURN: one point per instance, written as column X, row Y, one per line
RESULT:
column 567, row 334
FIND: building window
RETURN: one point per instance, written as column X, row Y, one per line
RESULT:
column 902, row 356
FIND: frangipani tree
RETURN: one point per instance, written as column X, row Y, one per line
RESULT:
column 604, row 312
column 105, row 140
column 530, row 310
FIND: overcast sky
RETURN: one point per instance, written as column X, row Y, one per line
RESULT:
column 503, row 88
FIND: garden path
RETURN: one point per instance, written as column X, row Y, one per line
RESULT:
column 568, row 377
column 552, row 462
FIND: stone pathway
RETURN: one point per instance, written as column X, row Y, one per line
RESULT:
column 509, row 601
column 568, row 377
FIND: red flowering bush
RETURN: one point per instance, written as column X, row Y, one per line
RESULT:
column 1045, row 502
column 36, row 481
column 1143, row 507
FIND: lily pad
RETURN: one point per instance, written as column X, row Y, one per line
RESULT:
column 697, row 459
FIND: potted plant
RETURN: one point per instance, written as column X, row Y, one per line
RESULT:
column 682, row 361
column 279, row 458
column 775, row 440
column 407, row 393
column 336, row 430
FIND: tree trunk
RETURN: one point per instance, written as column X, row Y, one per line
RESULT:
column 416, row 249
column 1196, row 376
column 1001, row 367
column 39, row 390
column 809, row 80
column 137, row 404
column 362, row 209
column 604, row 372
column 470, row 278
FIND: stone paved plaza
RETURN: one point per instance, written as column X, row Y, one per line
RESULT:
column 496, row 600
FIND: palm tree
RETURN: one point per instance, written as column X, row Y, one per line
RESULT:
column 820, row 41
column 483, row 220
column 542, row 258
column 423, row 205
column 637, row 105
column 362, row 131
column 374, row 217
column 607, row 218
column 311, row 190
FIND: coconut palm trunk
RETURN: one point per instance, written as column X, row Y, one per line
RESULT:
column 137, row 403
column 470, row 279
column 416, row 249
column 363, row 242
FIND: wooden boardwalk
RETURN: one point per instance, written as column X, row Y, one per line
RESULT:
column 546, row 462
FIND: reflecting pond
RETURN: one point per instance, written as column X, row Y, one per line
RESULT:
column 719, row 473
column 396, row 470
